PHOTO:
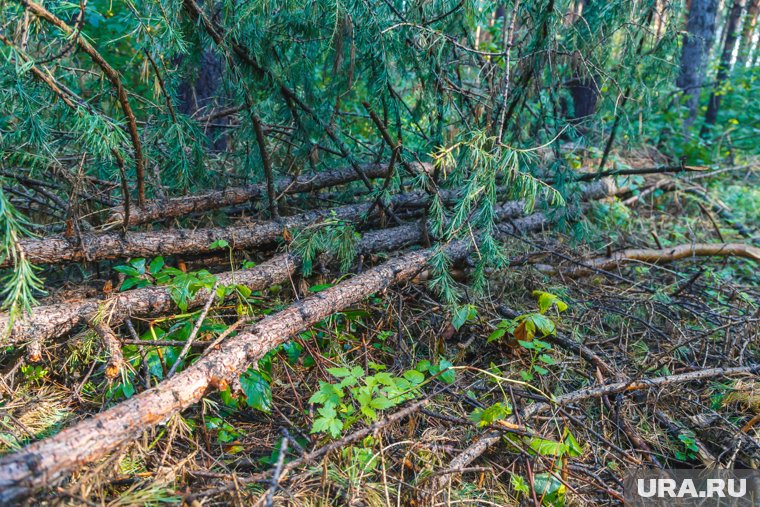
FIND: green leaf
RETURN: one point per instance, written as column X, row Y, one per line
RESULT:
column 293, row 350
column 423, row 366
column 257, row 390
column 545, row 447
column 139, row 265
column 219, row 243
column 127, row 270
column 381, row 403
column 327, row 394
column 384, row 378
column 128, row 389
column 339, row 372
column 244, row 291
column 487, row 416
column 549, row 487
column 526, row 345
column 574, row 449
column 414, row 377
column 497, row 334
column 546, row 300
column 546, row 358
column 156, row 265
column 134, row 282
column 462, row 315
column 520, row 484
column 445, row 374
column 542, row 323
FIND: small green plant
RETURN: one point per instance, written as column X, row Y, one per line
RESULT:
column 139, row 273
column 225, row 432
column 489, row 415
column 33, row 373
column 527, row 327
column 258, row 393
column 360, row 396
column 550, row 490
column 689, row 449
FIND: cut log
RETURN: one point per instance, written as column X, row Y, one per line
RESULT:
column 180, row 206
column 44, row 463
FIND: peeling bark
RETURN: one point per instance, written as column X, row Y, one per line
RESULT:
column 112, row 346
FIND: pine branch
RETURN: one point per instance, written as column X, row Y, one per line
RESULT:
column 112, row 76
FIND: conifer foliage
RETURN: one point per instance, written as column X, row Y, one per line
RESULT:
column 199, row 198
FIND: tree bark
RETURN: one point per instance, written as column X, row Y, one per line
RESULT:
column 112, row 346
column 661, row 256
column 700, row 29
column 44, row 463
column 179, row 206
column 47, row 322
column 732, row 35
column 748, row 31
column 103, row 246
column 96, row 247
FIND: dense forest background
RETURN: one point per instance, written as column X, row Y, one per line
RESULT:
column 375, row 252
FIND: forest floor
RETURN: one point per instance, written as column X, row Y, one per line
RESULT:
column 541, row 328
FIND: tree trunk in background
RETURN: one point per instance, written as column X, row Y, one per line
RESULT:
column 204, row 93
column 582, row 87
column 585, row 94
column 748, row 31
column 700, row 29
column 732, row 34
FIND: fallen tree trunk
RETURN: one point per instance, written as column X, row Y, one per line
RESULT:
column 102, row 246
column 45, row 462
column 96, row 247
column 47, row 322
column 50, row 321
column 179, row 206
column 659, row 256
